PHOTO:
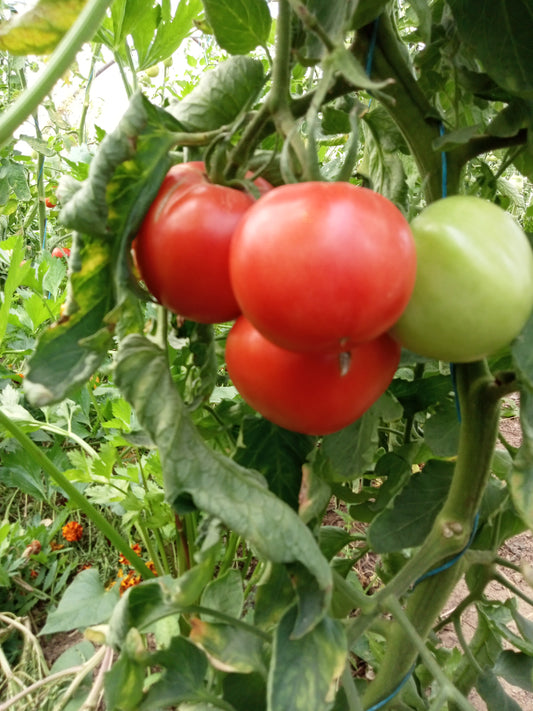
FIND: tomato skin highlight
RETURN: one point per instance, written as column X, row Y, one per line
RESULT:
column 474, row 286
column 322, row 266
column 305, row 392
column 182, row 246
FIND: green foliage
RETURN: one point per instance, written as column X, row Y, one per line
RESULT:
column 40, row 29
column 258, row 568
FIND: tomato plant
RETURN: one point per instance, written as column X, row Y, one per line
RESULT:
column 261, row 542
column 182, row 247
column 322, row 266
column 474, row 284
column 312, row 393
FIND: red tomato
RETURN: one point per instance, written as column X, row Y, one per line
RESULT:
column 50, row 202
column 322, row 266
column 61, row 252
column 182, row 247
column 306, row 392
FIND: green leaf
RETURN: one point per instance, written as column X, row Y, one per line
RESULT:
column 39, row 145
column 492, row 693
column 245, row 692
column 224, row 594
column 350, row 452
column 106, row 211
column 366, row 11
column 71, row 657
column 20, row 471
column 417, row 395
column 155, row 599
column 413, row 511
column 511, row 119
column 39, row 30
column 124, row 684
column 185, row 669
column 485, row 646
column 275, row 594
column 332, row 539
column 125, row 174
column 155, row 46
column 441, row 430
column 68, row 353
column 516, row 668
column 15, row 277
column 332, row 17
column 214, row 483
column 500, row 35
column 239, row 25
column 381, row 160
column 457, row 138
column 229, row 648
column 16, row 177
column 500, row 615
column 85, row 603
column 344, row 62
column 221, row 95
column 277, row 453
column 303, row 671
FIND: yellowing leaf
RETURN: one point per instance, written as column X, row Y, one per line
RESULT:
column 39, row 30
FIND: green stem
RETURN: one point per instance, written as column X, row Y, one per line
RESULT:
column 83, row 29
column 515, row 590
column 74, row 495
column 279, row 94
column 183, row 562
column 233, row 542
column 348, row 684
column 412, row 113
column 402, row 619
column 478, row 394
column 81, row 128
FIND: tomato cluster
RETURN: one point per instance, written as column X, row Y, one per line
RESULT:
column 319, row 271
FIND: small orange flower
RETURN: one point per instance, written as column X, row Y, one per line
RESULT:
column 151, row 567
column 72, row 531
column 136, row 548
column 56, row 546
column 129, row 581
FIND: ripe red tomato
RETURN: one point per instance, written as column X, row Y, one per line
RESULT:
column 61, row 252
column 182, row 247
column 50, row 202
column 306, row 392
column 322, row 266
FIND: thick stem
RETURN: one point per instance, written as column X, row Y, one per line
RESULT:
column 83, row 29
column 479, row 399
column 411, row 111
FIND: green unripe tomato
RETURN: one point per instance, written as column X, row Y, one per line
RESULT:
column 474, row 282
column 152, row 71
